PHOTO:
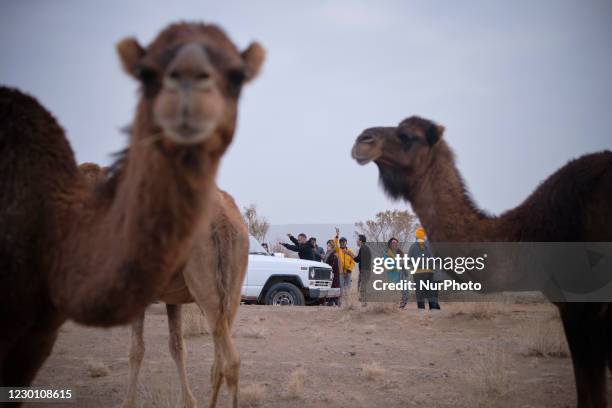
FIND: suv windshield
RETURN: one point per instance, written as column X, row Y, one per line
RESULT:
column 255, row 247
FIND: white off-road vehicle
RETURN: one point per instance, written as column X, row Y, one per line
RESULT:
column 276, row 280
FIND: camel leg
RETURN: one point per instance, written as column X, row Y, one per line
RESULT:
column 177, row 351
column 226, row 365
column 27, row 352
column 26, row 357
column 137, row 350
column 214, row 276
column 216, row 379
column 586, row 339
column 606, row 315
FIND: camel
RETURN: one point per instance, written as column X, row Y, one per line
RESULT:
column 220, row 255
column 100, row 255
column 212, row 278
column 417, row 165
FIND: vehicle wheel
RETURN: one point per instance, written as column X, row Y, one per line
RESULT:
column 285, row 294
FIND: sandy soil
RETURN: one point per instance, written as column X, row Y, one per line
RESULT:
column 463, row 356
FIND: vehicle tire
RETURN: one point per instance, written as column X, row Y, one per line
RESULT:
column 285, row 294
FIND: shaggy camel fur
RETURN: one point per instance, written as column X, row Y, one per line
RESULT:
column 572, row 205
column 213, row 279
column 100, row 256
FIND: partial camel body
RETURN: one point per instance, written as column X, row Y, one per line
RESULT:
column 572, row 205
column 213, row 279
column 100, row 255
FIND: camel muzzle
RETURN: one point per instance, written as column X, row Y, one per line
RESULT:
column 365, row 149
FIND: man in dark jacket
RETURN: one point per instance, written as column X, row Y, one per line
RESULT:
column 319, row 253
column 300, row 245
column 364, row 258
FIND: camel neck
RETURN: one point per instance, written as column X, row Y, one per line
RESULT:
column 129, row 238
column 443, row 205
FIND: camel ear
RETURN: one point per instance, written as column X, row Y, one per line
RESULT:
column 253, row 58
column 434, row 133
column 130, row 53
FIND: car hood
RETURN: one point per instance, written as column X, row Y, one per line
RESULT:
column 292, row 261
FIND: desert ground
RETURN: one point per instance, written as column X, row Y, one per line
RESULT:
column 507, row 353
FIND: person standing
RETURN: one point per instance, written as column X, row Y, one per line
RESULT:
column 331, row 258
column 346, row 263
column 318, row 252
column 423, row 275
column 364, row 259
column 397, row 275
column 301, row 246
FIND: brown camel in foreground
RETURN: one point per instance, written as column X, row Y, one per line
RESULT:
column 213, row 279
column 100, row 256
column 219, row 255
column 572, row 205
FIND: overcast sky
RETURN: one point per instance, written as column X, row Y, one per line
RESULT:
column 521, row 87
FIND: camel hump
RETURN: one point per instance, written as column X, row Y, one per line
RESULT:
column 93, row 173
column 31, row 139
column 573, row 203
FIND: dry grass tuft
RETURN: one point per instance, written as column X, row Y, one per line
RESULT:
column 158, row 392
column 383, row 308
column 546, row 338
column 480, row 310
column 194, row 322
column 97, row 369
column 252, row 395
column 491, row 375
column 295, row 386
column 373, row 370
column 254, row 332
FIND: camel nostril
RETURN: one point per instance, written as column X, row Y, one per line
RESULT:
column 366, row 138
column 191, row 64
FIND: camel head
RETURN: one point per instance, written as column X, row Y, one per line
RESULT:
column 191, row 76
column 402, row 153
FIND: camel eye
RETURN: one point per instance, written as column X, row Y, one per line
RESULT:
column 235, row 78
column 407, row 139
column 147, row 75
column 149, row 79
